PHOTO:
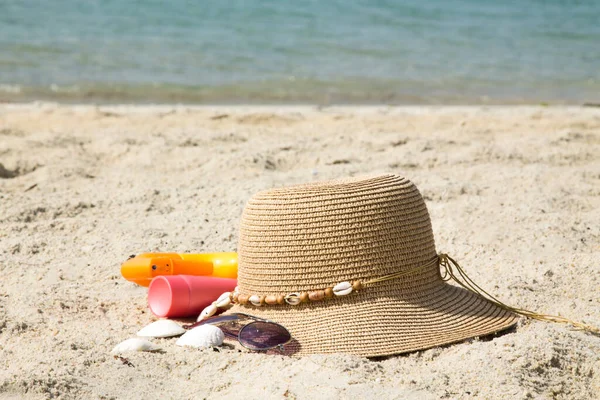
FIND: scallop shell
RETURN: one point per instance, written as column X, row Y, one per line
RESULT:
column 162, row 328
column 224, row 300
column 202, row 336
column 342, row 289
column 293, row 299
column 207, row 312
column 134, row 344
column 255, row 300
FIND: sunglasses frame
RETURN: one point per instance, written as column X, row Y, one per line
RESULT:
column 235, row 317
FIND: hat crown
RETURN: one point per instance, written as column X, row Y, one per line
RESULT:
column 315, row 235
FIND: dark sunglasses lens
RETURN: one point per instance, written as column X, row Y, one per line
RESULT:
column 263, row 335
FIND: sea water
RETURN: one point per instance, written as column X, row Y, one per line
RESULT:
column 316, row 52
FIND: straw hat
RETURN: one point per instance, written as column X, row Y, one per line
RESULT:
column 308, row 239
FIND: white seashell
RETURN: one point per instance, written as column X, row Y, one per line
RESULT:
column 293, row 299
column 202, row 336
column 342, row 289
column 207, row 312
column 134, row 344
column 162, row 328
column 255, row 300
column 224, row 300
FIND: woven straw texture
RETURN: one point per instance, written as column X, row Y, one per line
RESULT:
column 313, row 236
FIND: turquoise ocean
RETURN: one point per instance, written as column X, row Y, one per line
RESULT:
column 316, row 52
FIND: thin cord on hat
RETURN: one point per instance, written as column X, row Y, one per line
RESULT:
column 402, row 273
column 449, row 263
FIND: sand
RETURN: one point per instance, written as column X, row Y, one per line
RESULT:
column 513, row 192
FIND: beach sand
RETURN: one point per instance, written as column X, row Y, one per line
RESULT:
column 513, row 193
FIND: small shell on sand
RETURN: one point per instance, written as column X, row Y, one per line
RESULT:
column 134, row 344
column 162, row 328
column 202, row 336
column 207, row 312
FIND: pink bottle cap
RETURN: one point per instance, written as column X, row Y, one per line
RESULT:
column 185, row 295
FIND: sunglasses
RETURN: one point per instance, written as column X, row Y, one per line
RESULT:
column 253, row 333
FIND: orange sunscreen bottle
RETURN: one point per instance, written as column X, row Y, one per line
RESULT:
column 143, row 268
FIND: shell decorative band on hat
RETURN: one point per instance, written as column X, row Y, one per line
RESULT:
column 350, row 266
column 443, row 260
column 296, row 298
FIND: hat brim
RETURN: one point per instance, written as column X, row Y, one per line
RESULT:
column 387, row 321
